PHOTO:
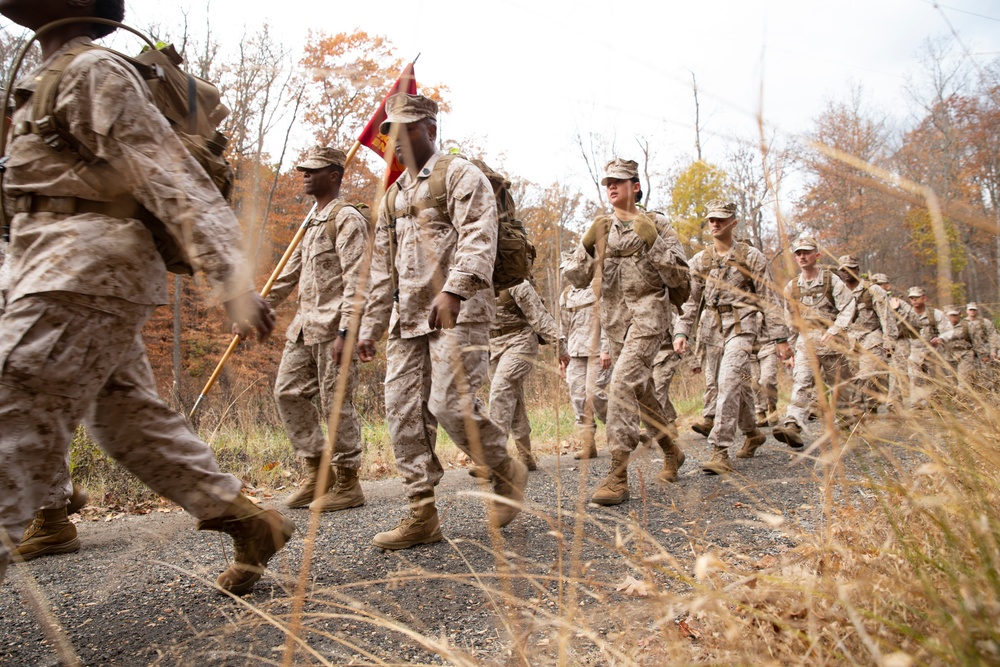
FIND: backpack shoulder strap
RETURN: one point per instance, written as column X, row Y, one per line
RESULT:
column 828, row 283
column 331, row 220
column 43, row 100
column 438, row 185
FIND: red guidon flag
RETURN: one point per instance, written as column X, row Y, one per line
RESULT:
column 377, row 141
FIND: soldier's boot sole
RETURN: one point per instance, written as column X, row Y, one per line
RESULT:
column 703, row 427
column 751, row 445
column 44, row 543
column 789, row 436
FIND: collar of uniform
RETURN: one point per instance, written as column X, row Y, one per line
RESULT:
column 29, row 82
column 804, row 283
column 324, row 215
column 406, row 181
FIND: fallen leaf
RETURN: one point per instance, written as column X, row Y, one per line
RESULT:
column 634, row 587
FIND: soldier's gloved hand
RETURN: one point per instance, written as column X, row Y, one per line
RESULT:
column 599, row 229
column 646, row 230
column 250, row 312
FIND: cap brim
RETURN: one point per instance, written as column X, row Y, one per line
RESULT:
column 312, row 164
column 803, row 247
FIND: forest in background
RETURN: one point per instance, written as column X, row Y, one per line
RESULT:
column 914, row 193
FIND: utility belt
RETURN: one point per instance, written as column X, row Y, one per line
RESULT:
column 32, row 203
column 573, row 309
column 725, row 308
column 496, row 333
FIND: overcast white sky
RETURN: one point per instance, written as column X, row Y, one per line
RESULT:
column 525, row 76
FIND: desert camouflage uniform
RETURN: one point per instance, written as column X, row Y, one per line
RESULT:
column 986, row 343
column 665, row 367
column 729, row 303
column 83, row 284
column 4, row 274
column 925, row 362
column 764, row 371
column 961, row 351
column 521, row 323
column 432, row 376
column 632, row 283
column 820, row 316
column 327, row 275
column 873, row 333
column 584, row 342
column 899, row 373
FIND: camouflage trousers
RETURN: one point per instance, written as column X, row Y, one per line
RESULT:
column 711, row 357
column 306, row 375
column 587, row 384
column 870, row 378
column 764, row 371
column 65, row 362
column 899, row 374
column 966, row 367
column 836, row 376
column 509, row 368
column 926, row 368
column 632, row 396
column 431, row 380
column 664, row 368
column 734, row 410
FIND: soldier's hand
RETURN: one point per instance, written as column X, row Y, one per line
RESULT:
column 337, row 350
column 250, row 312
column 563, row 363
column 681, row 345
column 598, row 230
column 605, row 361
column 784, row 351
column 646, row 230
column 366, row 349
column 444, row 311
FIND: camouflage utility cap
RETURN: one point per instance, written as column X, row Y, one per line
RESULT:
column 971, row 306
column 620, row 170
column 952, row 310
column 720, row 209
column 404, row 108
column 916, row 291
column 318, row 157
column 848, row 262
column 880, row 279
column 804, row 243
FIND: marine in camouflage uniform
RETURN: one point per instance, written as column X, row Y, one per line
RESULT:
column 872, row 333
column 961, row 347
column 586, row 376
column 819, row 307
column 986, row 343
column 899, row 378
column 87, row 275
column 521, row 323
column 432, row 292
column 764, row 372
column 665, row 366
column 632, row 258
column 730, row 286
column 326, row 268
column 925, row 363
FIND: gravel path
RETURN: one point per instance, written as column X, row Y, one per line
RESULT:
column 135, row 593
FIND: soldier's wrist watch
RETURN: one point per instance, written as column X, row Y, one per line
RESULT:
column 342, row 333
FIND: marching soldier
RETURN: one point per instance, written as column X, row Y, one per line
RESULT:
column 521, row 323
column 872, row 333
column 819, row 307
column 86, row 277
column 633, row 258
column 899, row 378
column 730, row 286
column 925, row 361
column 958, row 341
column 589, row 369
column 432, row 272
column 325, row 267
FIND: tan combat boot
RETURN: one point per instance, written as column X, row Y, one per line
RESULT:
column 509, row 479
column 346, row 494
column 673, row 459
column 754, row 440
column 719, row 463
column 257, row 535
column 77, row 500
column 790, row 434
column 672, row 431
column 307, row 490
column 523, row 449
column 588, row 448
column 50, row 533
column 420, row 527
column 614, row 489
column 704, row 427
column 761, row 419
